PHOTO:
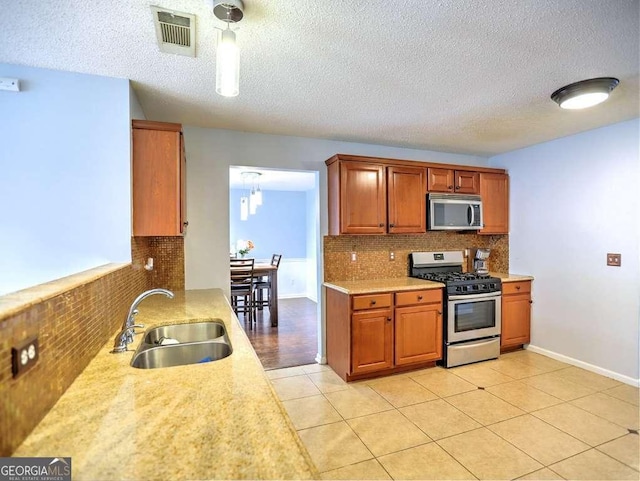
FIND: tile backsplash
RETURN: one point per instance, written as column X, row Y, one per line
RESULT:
column 372, row 253
column 71, row 327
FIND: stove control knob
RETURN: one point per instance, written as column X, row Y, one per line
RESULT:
column 476, row 287
column 458, row 288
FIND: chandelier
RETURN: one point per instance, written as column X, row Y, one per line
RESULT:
column 252, row 197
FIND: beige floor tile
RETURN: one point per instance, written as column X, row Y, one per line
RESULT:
column 581, row 424
column 524, row 396
column 443, row 383
column 514, row 368
column 402, row 391
column 558, row 387
column 428, row 461
column 387, row 432
column 286, row 372
column 481, row 375
column 542, row 442
column 311, row 411
column 593, row 464
column 625, row 449
column 333, row 446
column 542, row 474
column 610, row 408
column 327, row 381
column 625, row 393
column 488, row 456
column 587, row 378
column 370, row 469
column 439, row 419
column 311, row 368
column 294, row 387
column 538, row 361
column 484, row 407
column 358, row 400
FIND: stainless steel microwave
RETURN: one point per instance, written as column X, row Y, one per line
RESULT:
column 454, row 212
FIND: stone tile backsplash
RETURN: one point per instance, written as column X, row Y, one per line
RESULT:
column 372, row 252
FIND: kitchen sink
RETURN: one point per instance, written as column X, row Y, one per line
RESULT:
column 185, row 333
column 190, row 343
column 181, row 354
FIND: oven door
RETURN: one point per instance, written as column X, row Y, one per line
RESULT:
column 473, row 316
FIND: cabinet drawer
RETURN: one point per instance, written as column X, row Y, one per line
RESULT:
column 516, row 287
column 425, row 296
column 371, row 301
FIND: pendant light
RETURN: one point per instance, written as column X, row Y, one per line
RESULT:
column 244, row 208
column 586, row 93
column 227, row 52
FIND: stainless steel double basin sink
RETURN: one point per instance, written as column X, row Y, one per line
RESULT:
column 181, row 344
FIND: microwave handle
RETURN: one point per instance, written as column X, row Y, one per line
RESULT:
column 472, row 216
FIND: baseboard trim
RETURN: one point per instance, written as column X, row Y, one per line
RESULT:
column 321, row 359
column 585, row 365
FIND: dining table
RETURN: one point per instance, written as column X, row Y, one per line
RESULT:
column 266, row 269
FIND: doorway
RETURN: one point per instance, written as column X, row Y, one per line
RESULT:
column 285, row 222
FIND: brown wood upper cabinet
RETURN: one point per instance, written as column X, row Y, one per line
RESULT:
column 159, row 173
column 453, row 181
column 370, row 198
column 494, row 190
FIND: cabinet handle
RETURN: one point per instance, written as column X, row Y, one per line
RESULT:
column 419, row 298
column 373, row 303
column 380, row 225
column 439, row 313
column 186, row 223
column 530, row 302
column 392, row 225
column 517, row 288
column 388, row 319
column 457, row 187
column 450, row 187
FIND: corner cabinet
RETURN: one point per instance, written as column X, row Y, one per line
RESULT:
column 371, row 335
column 494, row 191
column 516, row 315
column 159, row 179
column 374, row 198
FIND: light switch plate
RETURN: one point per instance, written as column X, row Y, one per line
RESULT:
column 614, row 259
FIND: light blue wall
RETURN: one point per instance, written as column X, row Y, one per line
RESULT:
column 277, row 227
column 65, row 183
column 573, row 200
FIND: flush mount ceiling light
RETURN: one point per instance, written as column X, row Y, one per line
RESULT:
column 586, row 93
column 227, row 53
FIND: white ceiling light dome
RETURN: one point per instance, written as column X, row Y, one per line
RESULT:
column 584, row 94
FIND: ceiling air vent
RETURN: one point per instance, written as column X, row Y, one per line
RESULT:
column 176, row 31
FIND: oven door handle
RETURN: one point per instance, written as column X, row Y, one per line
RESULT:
column 472, row 297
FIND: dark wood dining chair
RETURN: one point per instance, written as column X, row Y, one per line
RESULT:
column 243, row 288
column 264, row 284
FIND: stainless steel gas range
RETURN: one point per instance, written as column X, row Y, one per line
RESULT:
column 472, row 304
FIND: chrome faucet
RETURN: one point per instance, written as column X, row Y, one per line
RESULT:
column 125, row 336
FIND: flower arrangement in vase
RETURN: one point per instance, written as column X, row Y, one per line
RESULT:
column 245, row 247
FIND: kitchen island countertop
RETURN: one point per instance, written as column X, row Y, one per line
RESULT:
column 215, row 420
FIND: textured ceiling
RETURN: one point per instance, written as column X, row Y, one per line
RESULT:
column 466, row 76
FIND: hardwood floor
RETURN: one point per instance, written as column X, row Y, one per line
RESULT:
column 294, row 342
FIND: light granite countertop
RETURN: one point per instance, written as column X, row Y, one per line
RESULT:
column 504, row 277
column 382, row 285
column 216, row 420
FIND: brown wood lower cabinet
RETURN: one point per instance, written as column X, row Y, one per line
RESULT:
column 516, row 315
column 377, row 334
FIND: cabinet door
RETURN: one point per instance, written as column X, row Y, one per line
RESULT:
column 418, row 336
column 363, row 202
column 157, row 180
column 406, row 197
column 494, row 190
column 466, row 182
column 371, row 340
column 516, row 319
column 439, row 180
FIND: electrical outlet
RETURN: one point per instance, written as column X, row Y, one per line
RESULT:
column 392, row 256
column 24, row 356
column 354, row 257
column 614, row 260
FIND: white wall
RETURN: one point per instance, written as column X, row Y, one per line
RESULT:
column 313, row 226
column 65, row 183
column 573, row 200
